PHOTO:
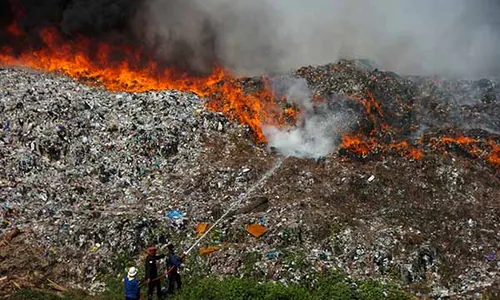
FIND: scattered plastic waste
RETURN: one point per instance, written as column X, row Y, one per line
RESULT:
column 273, row 255
column 177, row 219
column 175, row 214
column 490, row 256
column 105, row 167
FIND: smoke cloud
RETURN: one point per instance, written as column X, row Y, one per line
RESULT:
column 317, row 132
column 447, row 37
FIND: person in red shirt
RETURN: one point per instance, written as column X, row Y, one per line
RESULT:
column 152, row 273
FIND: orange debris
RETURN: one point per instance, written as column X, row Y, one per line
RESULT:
column 208, row 250
column 256, row 230
column 201, row 228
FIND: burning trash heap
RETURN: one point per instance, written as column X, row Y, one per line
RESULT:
column 386, row 176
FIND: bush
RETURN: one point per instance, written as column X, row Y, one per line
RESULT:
column 328, row 286
column 242, row 289
column 339, row 290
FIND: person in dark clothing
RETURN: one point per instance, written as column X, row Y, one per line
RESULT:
column 152, row 273
column 174, row 263
column 132, row 287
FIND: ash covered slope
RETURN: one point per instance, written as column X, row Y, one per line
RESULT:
column 89, row 174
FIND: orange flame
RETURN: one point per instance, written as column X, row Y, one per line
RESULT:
column 373, row 110
column 137, row 74
column 468, row 144
column 461, row 140
column 494, row 157
column 357, row 144
column 406, row 150
column 361, row 146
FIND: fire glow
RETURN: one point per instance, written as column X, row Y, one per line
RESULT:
column 120, row 67
column 363, row 146
column 139, row 73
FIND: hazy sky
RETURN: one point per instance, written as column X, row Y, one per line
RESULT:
column 426, row 36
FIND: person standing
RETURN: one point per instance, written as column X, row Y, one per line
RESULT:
column 152, row 273
column 174, row 263
column 132, row 287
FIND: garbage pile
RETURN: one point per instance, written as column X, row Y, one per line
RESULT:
column 90, row 172
column 409, row 115
column 93, row 177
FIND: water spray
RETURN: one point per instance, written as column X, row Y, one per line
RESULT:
column 241, row 197
column 238, row 201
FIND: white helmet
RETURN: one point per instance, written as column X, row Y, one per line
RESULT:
column 132, row 272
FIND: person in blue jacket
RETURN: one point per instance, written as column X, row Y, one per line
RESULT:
column 132, row 288
column 174, row 263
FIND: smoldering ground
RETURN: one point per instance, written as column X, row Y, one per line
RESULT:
column 320, row 126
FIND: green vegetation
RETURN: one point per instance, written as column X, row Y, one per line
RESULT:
column 252, row 285
column 248, row 268
column 327, row 286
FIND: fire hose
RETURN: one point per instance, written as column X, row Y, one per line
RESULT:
column 241, row 197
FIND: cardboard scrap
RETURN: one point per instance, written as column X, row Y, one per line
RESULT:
column 16, row 284
column 208, row 250
column 256, row 230
column 10, row 235
column 56, row 286
column 201, row 228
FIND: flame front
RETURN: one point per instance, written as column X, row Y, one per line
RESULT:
column 124, row 68
column 362, row 145
column 140, row 73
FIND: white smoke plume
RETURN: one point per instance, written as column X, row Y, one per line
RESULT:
column 446, row 37
column 318, row 131
column 450, row 38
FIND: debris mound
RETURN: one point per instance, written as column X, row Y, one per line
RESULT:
column 410, row 194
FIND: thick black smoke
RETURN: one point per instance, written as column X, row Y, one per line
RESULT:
column 5, row 13
column 93, row 18
column 112, row 21
column 425, row 37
